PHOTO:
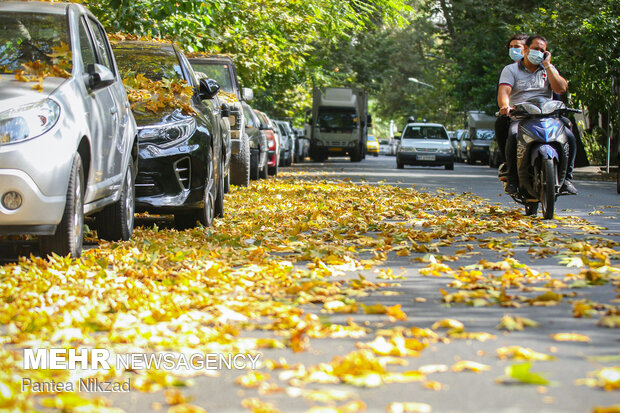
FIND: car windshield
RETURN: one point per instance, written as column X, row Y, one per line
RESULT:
column 484, row 134
column 154, row 64
column 372, row 138
column 337, row 119
column 37, row 43
column 217, row 71
column 425, row 132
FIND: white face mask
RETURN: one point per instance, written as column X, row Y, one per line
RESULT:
column 535, row 56
column 515, row 54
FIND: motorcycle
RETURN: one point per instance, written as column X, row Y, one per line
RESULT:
column 542, row 155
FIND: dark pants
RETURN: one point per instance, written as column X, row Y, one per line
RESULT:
column 502, row 125
column 511, row 150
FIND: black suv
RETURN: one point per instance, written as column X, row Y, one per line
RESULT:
column 182, row 148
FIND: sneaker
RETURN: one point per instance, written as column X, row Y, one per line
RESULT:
column 568, row 188
column 511, row 188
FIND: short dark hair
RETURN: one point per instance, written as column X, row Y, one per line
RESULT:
column 530, row 39
column 519, row 36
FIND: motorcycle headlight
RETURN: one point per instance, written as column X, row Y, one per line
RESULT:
column 166, row 135
column 253, row 144
column 28, row 121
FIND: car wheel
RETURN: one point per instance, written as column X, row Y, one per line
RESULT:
column 219, row 199
column 116, row 221
column 399, row 164
column 69, row 235
column 240, row 163
column 450, row 167
column 264, row 171
column 254, row 166
column 618, row 177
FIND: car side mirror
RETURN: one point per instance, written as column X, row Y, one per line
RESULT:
column 208, row 88
column 397, row 137
column 247, row 94
column 225, row 110
column 98, row 76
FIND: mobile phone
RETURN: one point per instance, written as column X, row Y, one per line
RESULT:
column 545, row 55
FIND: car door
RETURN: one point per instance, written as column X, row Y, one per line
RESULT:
column 101, row 120
column 119, row 108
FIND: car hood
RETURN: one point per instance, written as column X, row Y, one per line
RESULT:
column 426, row 143
column 14, row 93
column 481, row 142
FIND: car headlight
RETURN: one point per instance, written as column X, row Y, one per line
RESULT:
column 445, row 150
column 28, row 121
column 170, row 134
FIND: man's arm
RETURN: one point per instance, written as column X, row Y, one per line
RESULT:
column 503, row 98
column 557, row 82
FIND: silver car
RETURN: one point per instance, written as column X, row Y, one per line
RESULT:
column 67, row 134
column 425, row 144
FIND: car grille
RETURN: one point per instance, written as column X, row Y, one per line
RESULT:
column 182, row 168
column 428, row 150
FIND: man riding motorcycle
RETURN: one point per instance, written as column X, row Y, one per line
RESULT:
column 531, row 78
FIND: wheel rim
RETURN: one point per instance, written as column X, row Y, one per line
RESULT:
column 209, row 194
column 129, row 200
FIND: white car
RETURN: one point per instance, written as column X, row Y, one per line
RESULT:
column 67, row 134
column 425, row 144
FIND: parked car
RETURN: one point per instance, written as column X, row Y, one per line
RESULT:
column 372, row 145
column 425, row 144
column 223, row 71
column 463, row 142
column 477, row 148
column 481, row 133
column 258, row 143
column 182, row 149
column 459, row 134
column 302, row 145
column 288, row 141
column 67, row 136
column 273, row 142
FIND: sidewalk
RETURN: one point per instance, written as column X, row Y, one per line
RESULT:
column 595, row 173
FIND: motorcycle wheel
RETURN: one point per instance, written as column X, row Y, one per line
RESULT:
column 547, row 188
column 531, row 208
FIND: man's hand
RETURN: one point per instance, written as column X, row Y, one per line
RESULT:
column 505, row 110
column 547, row 60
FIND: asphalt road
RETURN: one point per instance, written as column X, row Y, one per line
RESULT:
column 421, row 301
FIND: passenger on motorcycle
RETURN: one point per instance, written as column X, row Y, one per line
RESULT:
column 531, row 78
column 515, row 46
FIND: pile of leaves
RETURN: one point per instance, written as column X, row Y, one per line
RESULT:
column 261, row 276
column 157, row 95
column 60, row 65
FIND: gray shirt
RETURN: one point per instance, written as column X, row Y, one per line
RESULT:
column 526, row 86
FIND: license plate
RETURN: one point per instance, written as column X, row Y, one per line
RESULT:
column 336, row 149
column 426, row 157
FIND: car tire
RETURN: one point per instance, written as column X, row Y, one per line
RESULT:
column 219, row 199
column 240, row 163
column 400, row 165
column 450, row 166
column 264, row 171
column 227, row 183
column 254, row 166
column 115, row 222
column 273, row 170
column 69, row 236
